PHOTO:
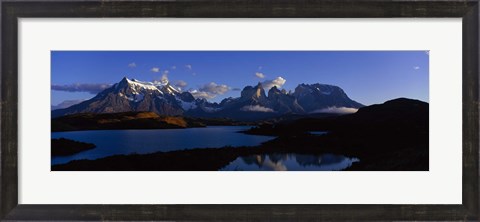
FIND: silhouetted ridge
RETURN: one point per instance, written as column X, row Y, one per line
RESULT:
column 393, row 113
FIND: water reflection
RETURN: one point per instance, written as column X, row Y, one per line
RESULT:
column 291, row 162
column 319, row 133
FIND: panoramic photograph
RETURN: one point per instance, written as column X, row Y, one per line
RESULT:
column 239, row 110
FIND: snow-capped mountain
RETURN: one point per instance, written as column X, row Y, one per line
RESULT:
column 162, row 98
column 134, row 95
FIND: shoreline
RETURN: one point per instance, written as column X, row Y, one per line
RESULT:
column 135, row 120
column 400, row 158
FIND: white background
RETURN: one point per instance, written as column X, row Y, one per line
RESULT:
column 440, row 185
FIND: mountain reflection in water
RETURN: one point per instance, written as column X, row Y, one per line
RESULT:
column 291, row 162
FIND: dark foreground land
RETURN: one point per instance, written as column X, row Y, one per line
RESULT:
column 133, row 120
column 66, row 147
column 388, row 137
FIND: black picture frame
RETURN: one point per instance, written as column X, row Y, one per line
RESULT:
column 12, row 10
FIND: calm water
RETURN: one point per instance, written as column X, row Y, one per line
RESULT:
column 291, row 162
column 112, row 142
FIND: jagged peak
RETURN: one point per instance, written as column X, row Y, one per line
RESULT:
column 135, row 85
column 170, row 89
column 324, row 88
column 253, row 92
column 123, row 83
column 274, row 89
column 317, row 85
column 124, row 80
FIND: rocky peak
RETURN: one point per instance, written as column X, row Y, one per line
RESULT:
column 169, row 89
column 226, row 101
column 256, row 93
column 319, row 89
column 259, row 91
column 313, row 97
column 123, row 83
column 274, row 92
column 186, row 96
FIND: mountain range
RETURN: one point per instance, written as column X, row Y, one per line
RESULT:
column 254, row 102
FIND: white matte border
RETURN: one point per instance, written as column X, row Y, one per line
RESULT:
column 441, row 185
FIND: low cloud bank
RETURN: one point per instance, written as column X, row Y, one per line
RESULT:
column 336, row 110
column 256, row 108
column 81, row 87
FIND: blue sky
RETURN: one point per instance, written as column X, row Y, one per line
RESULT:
column 369, row 77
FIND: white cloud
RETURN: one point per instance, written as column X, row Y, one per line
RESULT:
column 180, row 83
column 164, row 78
column 202, row 95
column 214, row 88
column 416, row 67
column 336, row 110
column 278, row 82
column 256, row 108
column 155, row 69
column 173, row 67
column 210, row 90
column 188, row 66
column 132, row 65
column 260, row 75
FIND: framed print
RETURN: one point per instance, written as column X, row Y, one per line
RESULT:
column 239, row 110
column 287, row 122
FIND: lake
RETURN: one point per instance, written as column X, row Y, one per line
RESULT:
column 291, row 162
column 114, row 142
